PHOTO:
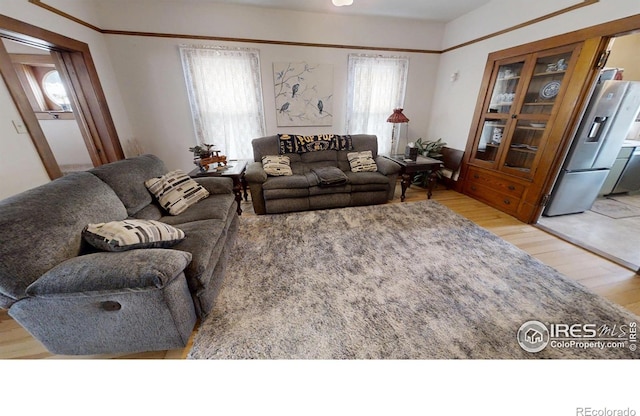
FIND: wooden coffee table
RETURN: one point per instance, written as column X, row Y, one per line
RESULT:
column 408, row 168
column 235, row 170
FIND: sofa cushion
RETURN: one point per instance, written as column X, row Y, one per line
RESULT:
column 126, row 177
column 131, row 234
column 284, row 193
column 42, row 227
column 285, row 182
column 150, row 212
column 364, row 178
column 362, row 161
column 110, row 272
column 176, row 191
column 204, row 240
column 216, row 185
column 214, row 207
column 276, row 165
column 327, row 190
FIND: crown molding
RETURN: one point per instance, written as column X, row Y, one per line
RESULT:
column 578, row 5
column 547, row 16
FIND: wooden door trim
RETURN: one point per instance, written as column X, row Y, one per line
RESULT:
column 92, row 108
column 28, row 116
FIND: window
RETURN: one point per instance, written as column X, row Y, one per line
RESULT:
column 225, row 95
column 376, row 85
column 54, row 90
column 43, row 86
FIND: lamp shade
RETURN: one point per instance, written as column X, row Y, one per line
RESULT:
column 397, row 117
column 340, row 3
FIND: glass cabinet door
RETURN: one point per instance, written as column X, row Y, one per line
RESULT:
column 501, row 103
column 545, row 84
column 518, row 109
column 490, row 139
column 528, row 136
column 524, row 145
column 505, row 88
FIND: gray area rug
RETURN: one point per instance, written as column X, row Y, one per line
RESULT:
column 616, row 208
column 398, row 281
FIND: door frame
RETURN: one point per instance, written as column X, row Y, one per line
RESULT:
column 602, row 35
column 88, row 100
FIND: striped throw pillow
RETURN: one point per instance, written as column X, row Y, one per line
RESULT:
column 176, row 191
column 277, row 165
column 362, row 162
column 131, row 234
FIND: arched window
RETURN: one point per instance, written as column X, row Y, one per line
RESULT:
column 54, row 89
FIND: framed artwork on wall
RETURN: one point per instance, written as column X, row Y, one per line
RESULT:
column 303, row 94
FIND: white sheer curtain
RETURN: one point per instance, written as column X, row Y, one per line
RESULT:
column 225, row 94
column 376, row 85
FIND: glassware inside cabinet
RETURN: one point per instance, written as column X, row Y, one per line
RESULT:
column 504, row 90
column 525, row 144
column 545, row 84
column 490, row 139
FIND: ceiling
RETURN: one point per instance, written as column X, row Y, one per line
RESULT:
column 437, row 10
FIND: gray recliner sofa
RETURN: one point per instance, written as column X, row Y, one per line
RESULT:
column 302, row 190
column 77, row 300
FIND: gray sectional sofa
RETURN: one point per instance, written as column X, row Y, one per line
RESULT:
column 303, row 191
column 78, row 300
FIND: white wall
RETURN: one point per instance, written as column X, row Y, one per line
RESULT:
column 20, row 166
column 454, row 103
column 66, row 142
column 150, row 74
column 235, row 21
column 626, row 54
column 143, row 80
column 28, row 158
column 152, row 82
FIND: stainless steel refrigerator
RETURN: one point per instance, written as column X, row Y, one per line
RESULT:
column 613, row 108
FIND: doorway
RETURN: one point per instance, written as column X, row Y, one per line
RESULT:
column 611, row 227
column 47, row 93
column 87, row 99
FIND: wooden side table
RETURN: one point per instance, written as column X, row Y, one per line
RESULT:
column 408, row 168
column 235, row 170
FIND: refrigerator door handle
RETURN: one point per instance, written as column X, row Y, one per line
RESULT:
column 596, row 129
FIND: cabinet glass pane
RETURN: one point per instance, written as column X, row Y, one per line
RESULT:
column 545, row 84
column 525, row 141
column 490, row 139
column 504, row 90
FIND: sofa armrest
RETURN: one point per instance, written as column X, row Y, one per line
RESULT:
column 255, row 173
column 111, row 271
column 216, row 185
column 386, row 166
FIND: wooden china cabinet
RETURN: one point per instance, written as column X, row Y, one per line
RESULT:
column 521, row 120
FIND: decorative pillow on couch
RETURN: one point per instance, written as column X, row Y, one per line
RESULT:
column 362, row 162
column 277, row 165
column 131, row 234
column 176, row 191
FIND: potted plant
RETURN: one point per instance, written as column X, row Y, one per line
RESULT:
column 428, row 148
column 201, row 151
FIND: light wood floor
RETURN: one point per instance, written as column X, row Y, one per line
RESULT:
column 603, row 277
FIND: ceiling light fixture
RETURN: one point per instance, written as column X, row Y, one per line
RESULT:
column 341, row 3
